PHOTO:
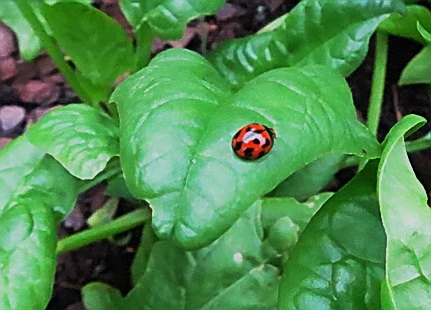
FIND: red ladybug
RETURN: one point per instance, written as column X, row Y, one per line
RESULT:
column 253, row 141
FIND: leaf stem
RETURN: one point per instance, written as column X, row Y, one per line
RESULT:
column 378, row 83
column 52, row 49
column 103, row 231
column 419, row 144
column 411, row 147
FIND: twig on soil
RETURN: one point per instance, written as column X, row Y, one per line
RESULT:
column 396, row 103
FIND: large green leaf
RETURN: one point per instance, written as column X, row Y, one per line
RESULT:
column 406, row 25
column 329, row 32
column 407, row 220
column 418, row 70
column 80, row 137
column 167, row 19
column 97, row 45
column 17, row 160
column 28, row 235
column 176, row 133
column 338, row 263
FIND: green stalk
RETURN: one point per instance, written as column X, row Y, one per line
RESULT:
column 103, row 231
column 378, row 83
column 419, row 144
column 411, row 147
column 52, row 49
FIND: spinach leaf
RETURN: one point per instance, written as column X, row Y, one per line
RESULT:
column 104, row 51
column 328, row 32
column 28, row 235
column 406, row 25
column 418, row 70
column 80, row 137
column 338, row 263
column 407, row 220
column 176, row 133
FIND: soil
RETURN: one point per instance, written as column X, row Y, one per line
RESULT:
column 29, row 90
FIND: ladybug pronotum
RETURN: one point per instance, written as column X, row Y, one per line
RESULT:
column 253, row 141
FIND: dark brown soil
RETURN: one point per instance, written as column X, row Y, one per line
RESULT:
column 29, row 90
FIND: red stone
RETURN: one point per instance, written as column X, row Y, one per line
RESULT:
column 38, row 92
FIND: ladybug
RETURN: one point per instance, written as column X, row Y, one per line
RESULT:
column 253, row 141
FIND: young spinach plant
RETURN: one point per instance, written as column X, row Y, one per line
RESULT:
column 220, row 232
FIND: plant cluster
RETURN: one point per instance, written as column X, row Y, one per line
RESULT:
column 221, row 232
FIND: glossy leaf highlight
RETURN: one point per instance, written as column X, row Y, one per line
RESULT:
column 80, row 137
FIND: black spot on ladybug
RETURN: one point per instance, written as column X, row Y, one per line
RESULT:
column 256, row 141
column 248, row 150
column 236, row 135
column 238, row 145
column 259, row 131
column 267, row 143
column 248, row 129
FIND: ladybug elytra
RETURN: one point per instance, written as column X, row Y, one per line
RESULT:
column 253, row 141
